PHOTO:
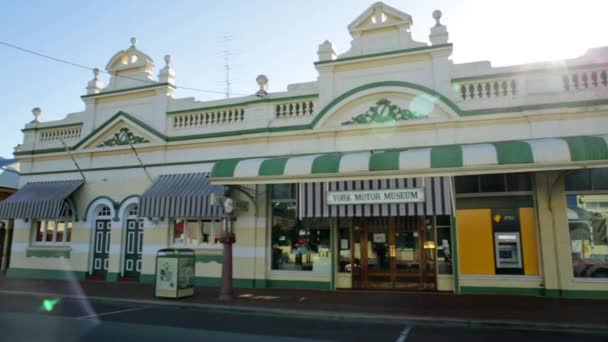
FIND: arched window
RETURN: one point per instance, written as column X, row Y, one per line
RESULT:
column 104, row 211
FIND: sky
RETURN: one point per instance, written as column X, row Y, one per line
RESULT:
column 277, row 38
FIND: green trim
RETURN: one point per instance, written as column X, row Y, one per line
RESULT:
column 384, row 111
column 32, row 273
column 84, row 140
column 540, row 106
column 384, row 161
column 118, row 115
column 522, row 291
column 207, row 258
column 146, row 278
column 35, row 252
column 273, row 167
column 553, row 293
column 513, row 152
column 249, row 283
column 387, row 53
column 298, row 284
column 112, row 277
column 587, row 148
column 333, row 103
column 368, row 86
column 156, row 85
column 267, row 130
column 584, row 294
column 128, row 198
column 327, row 163
column 455, row 260
column 224, row 168
column 260, row 283
column 527, row 291
column 124, row 136
column 243, row 104
column 74, row 208
column 565, row 68
column 114, row 204
column 28, row 129
column 446, row 156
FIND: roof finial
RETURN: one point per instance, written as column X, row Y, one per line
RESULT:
column 133, row 41
column 37, row 113
column 437, row 15
column 262, row 81
column 167, row 60
column 96, row 73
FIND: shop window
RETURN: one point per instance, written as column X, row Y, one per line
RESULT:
column 53, row 232
column 467, row 184
column 444, row 245
column 587, row 180
column 297, row 245
column 518, row 182
column 588, row 234
column 196, row 233
column 493, row 183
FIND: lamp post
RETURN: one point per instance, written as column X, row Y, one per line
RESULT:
column 227, row 238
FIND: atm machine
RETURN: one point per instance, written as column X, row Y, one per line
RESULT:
column 507, row 241
column 507, row 247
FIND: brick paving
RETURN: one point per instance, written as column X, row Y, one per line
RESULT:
column 420, row 305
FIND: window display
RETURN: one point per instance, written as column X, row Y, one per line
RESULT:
column 196, row 233
column 297, row 245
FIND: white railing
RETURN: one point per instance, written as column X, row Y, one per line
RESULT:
column 294, row 109
column 487, row 89
column 585, row 79
column 208, row 118
column 56, row 134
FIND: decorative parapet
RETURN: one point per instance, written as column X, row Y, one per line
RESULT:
column 208, row 118
column 294, row 109
column 594, row 78
column 58, row 134
column 487, row 89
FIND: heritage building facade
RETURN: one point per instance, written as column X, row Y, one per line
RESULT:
column 396, row 168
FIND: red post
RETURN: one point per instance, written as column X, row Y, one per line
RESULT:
column 227, row 238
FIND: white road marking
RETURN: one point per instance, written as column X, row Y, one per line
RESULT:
column 109, row 313
column 404, row 334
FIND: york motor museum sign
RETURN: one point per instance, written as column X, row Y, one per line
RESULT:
column 375, row 196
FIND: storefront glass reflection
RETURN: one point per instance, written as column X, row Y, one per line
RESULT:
column 297, row 245
column 588, row 235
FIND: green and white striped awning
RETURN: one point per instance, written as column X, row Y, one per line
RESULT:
column 493, row 157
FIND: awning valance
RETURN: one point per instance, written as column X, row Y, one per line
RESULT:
column 446, row 160
column 39, row 200
column 181, row 196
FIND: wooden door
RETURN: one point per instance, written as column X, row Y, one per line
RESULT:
column 133, row 248
column 101, row 248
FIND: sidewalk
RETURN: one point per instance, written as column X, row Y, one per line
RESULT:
column 494, row 310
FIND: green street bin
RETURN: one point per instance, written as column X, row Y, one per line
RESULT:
column 174, row 273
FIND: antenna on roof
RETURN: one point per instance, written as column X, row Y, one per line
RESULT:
column 226, row 53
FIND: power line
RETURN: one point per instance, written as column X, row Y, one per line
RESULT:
column 105, row 72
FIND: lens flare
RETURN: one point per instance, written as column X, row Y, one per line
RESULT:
column 423, row 105
column 49, row 304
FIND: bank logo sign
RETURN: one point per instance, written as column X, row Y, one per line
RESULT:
column 375, row 196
